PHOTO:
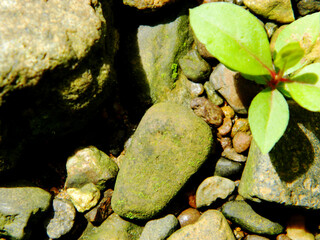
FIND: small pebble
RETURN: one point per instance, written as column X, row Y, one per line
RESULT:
column 296, row 228
column 196, row 89
column 270, row 28
column 256, row 237
column 231, row 154
column 238, row 233
column 188, row 216
column 283, row 237
column 212, row 95
column 240, row 125
column 226, row 127
column 227, row 168
column 225, row 142
column 205, row 109
column 228, row 111
column 241, row 142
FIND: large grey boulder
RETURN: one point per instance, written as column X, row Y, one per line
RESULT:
column 168, row 147
column 289, row 174
column 56, row 67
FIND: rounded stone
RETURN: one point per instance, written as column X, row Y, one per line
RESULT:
column 188, row 216
column 240, row 125
column 241, row 142
column 213, row 188
column 226, row 127
column 227, row 168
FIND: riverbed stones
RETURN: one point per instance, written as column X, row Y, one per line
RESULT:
column 308, row 6
column 20, row 208
column 212, row 225
column 150, row 5
column 276, row 10
column 289, row 174
column 168, row 147
column 242, row 214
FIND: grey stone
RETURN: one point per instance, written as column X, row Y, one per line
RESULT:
column 160, row 229
column 168, row 147
column 213, row 188
column 227, row 168
column 114, row 227
column 236, row 90
column 289, row 174
column 211, row 226
column 194, row 67
column 212, row 95
column 151, row 54
column 277, row 10
column 242, row 214
column 63, row 219
column 20, row 208
column 90, row 165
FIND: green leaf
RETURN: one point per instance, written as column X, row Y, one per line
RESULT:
column 234, row 36
column 305, row 89
column 305, row 31
column 268, row 118
column 288, row 56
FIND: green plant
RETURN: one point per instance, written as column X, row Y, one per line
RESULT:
column 238, row 40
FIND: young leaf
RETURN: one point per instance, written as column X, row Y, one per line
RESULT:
column 268, row 118
column 305, row 31
column 234, row 36
column 288, row 56
column 305, row 89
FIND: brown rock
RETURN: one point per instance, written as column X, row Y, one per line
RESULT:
column 225, row 128
column 209, row 112
column 148, row 4
column 231, row 154
column 225, row 142
column 283, row 237
column 188, row 216
column 241, row 142
column 228, row 111
column 240, row 125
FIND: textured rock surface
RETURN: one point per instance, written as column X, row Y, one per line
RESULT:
column 213, row 188
column 168, row 147
column 151, row 52
column 308, row 6
column 63, row 219
column 289, row 174
column 237, row 91
column 148, row 4
column 242, row 213
column 90, row 165
column 160, row 229
column 56, row 65
column 19, row 211
column 114, row 227
column 211, row 226
column 277, row 10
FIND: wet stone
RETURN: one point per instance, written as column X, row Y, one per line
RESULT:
column 205, row 109
column 242, row 214
column 63, row 219
column 194, row 67
column 227, row 168
column 212, row 225
column 226, row 127
column 160, row 229
column 231, row 154
column 240, row 125
column 213, row 188
column 188, row 216
column 228, row 111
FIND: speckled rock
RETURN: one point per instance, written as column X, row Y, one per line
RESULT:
column 160, row 229
column 277, row 10
column 90, row 165
column 63, row 219
column 20, row 208
column 114, row 227
column 289, row 174
column 308, row 6
column 211, row 226
column 212, row 95
column 213, row 188
column 237, row 91
column 188, row 216
column 169, row 146
column 242, row 214
column 56, row 68
column 241, row 142
column 194, row 67
column 226, row 127
column 151, row 51
column 230, row 153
